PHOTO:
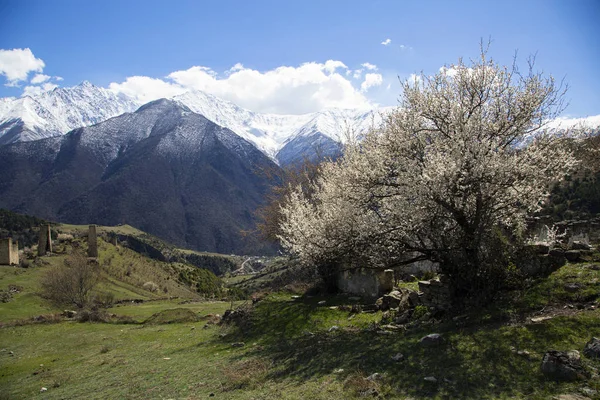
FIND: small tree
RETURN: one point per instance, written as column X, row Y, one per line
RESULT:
column 449, row 177
column 72, row 282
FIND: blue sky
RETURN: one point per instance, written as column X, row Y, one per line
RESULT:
column 160, row 42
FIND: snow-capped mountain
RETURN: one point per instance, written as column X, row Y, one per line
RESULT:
column 58, row 111
column 162, row 168
column 271, row 132
column 284, row 138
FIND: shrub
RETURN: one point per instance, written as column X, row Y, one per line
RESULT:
column 72, row 282
column 150, row 286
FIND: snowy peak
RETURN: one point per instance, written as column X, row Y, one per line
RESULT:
column 58, row 111
column 271, row 132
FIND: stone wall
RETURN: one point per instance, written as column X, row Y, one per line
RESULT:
column 436, row 293
column 369, row 283
column 9, row 252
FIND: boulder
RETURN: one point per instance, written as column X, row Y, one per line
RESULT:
column 432, row 340
column 573, row 255
column 592, row 348
column 579, row 245
column 394, row 299
column 563, row 366
column 540, row 248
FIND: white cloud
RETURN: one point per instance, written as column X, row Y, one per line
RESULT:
column 39, row 78
column 404, row 47
column 386, row 41
column 283, row 90
column 357, row 73
column 370, row 81
column 146, row 89
column 58, row 78
column 16, row 64
column 33, row 90
column 236, row 67
column 369, row 66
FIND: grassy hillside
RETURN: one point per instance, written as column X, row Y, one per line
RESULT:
column 293, row 348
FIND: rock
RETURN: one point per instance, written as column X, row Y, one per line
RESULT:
column 333, row 328
column 238, row 344
column 295, row 297
column 592, row 348
column 572, row 287
column 69, row 314
column 431, row 340
column 430, row 379
column 308, row 333
column 322, row 303
column 394, row 299
column 374, row 377
column 595, row 267
column 540, row 248
column 404, row 317
column 338, row 371
column 413, row 298
column 354, row 298
column 573, row 255
column 557, row 252
column 44, row 389
column 562, row 365
column 579, row 245
column 398, row 357
column 540, row 319
column 390, row 327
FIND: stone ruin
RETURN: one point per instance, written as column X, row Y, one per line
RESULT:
column 9, row 252
column 436, row 293
column 370, row 283
column 45, row 241
column 92, row 242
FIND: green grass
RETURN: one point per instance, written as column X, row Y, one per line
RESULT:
column 290, row 350
column 143, row 311
column 27, row 303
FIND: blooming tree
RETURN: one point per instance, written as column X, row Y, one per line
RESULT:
column 449, row 176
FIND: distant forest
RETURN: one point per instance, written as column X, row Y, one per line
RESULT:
column 20, row 227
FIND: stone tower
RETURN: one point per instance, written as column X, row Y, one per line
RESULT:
column 9, row 252
column 92, row 242
column 45, row 242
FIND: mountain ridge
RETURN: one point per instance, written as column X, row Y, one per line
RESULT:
column 284, row 138
column 162, row 169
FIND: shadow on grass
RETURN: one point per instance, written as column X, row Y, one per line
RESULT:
column 474, row 362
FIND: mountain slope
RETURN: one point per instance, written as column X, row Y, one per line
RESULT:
column 163, row 169
column 58, row 111
column 272, row 132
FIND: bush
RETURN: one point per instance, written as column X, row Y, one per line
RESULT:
column 104, row 299
column 72, row 282
column 150, row 286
